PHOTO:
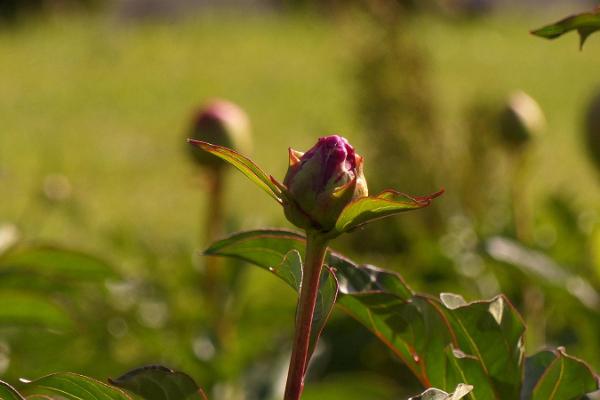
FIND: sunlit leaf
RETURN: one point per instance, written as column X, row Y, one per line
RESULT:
column 244, row 165
column 7, row 392
column 554, row 375
column 585, row 24
column 436, row 394
column 156, row 382
column 388, row 203
column 19, row 309
column 491, row 333
column 70, row 386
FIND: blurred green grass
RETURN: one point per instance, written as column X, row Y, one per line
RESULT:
column 107, row 103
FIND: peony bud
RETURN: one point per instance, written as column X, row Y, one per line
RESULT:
column 321, row 182
column 222, row 123
column 521, row 120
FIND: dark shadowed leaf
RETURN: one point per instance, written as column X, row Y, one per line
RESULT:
column 7, row 392
column 70, row 386
column 55, row 262
column 585, row 24
column 437, row 394
column 244, row 165
column 156, row 382
column 554, row 375
column 26, row 310
column 385, row 204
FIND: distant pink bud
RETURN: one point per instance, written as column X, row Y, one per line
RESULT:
column 222, row 123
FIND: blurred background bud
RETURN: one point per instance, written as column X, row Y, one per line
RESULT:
column 592, row 128
column 322, row 181
column 521, row 120
column 222, row 123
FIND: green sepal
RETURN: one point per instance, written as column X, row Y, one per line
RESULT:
column 367, row 209
column 245, row 166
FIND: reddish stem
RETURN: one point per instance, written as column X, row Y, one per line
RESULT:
column 316, row 246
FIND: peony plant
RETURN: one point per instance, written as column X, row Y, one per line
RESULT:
column 324, row 193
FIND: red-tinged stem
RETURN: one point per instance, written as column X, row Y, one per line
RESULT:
column 316, row 246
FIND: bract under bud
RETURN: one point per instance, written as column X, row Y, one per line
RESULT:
column 321, row 182
column 521, row 120
column 222, row 123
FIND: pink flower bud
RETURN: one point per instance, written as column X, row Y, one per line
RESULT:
column 321, row 182
column 222, row 123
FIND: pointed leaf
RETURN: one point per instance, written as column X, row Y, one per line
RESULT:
column 554, row 375
column 156, row 382
column 585, row 24
column 7, row 392
column 436, row 394
column 244, row 165
column 387, row 203
column 70, row 386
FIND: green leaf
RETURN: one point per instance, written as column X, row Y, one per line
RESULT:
column 387, row 203
column 543, row 268
column 436, row 394
column 554, row 375
column 413, row 329
column 585, row 24
column 245, row 166
column 7, row 392
column 70, row 386
column 20, row 309
column 156, row 382
column 290, row 271
column 56, row 262
column 377, row 298
column 489, row 345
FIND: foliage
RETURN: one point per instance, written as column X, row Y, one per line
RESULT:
column 444, row 342
column 147, row 383
column 584, row 23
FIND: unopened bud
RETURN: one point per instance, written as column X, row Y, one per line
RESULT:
column 321, row 182
column 222, row 123
column 521, row 120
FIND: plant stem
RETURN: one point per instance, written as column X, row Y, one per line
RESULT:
column 213, row 222
column 316, row 246
column 213, row 280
